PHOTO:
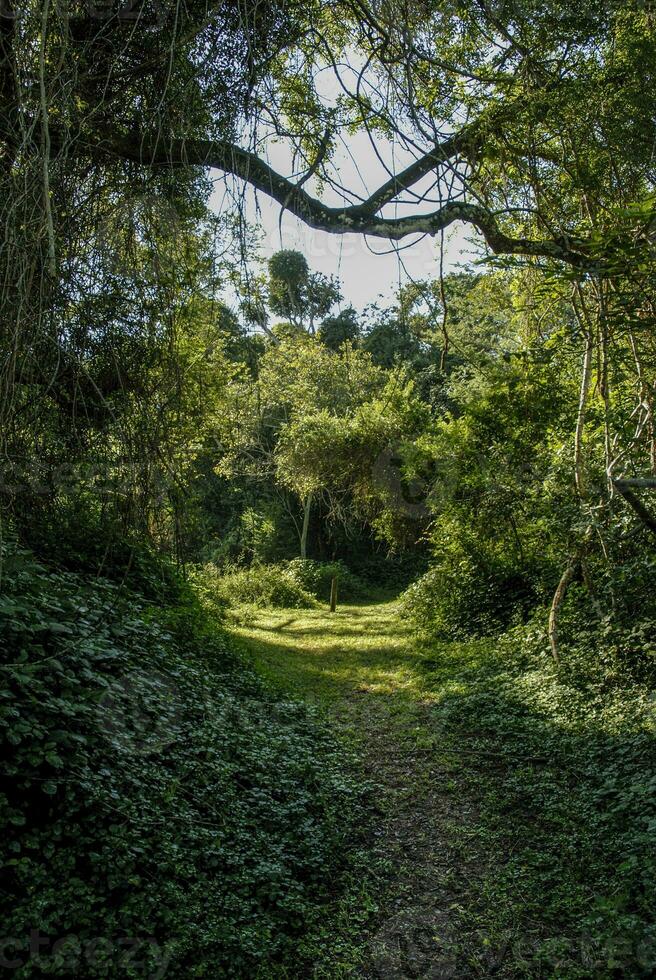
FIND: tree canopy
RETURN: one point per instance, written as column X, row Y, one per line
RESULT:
column 195, row 427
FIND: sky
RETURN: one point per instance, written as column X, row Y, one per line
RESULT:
column 368, row 268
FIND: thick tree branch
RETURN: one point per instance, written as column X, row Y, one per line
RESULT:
column 361, row 218
column 625, row 488
column 454, row 145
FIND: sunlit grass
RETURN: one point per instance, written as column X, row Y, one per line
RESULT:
column 489, row 751
column 324, row 655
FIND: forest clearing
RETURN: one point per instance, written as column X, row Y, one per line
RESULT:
column 327, row 489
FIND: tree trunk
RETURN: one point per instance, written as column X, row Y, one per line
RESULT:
column 559, row 595
column 307, row 506
column 333, row 594
column 586, row 375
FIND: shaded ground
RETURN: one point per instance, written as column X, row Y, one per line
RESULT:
column 516, row 802
column 361, row 667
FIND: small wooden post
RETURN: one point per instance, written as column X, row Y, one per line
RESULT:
column 333, row 594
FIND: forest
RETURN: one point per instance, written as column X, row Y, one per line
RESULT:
column 327, row 595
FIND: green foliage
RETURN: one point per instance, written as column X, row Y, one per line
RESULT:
column 502, row 501
column 288, row 273
column 318, row 422
column 260, row 585
column 392, row 341
column 295, row 584
column 315, row 577
column 389, row 570
column 563, row 768
column 265, row 533
column 622, row 639
column 154, row 792
column 464, row 595
column 80, row 540
column 296, row 293
column 337, row 330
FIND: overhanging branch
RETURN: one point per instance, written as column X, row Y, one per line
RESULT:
column 364, row 218
column 625, row 487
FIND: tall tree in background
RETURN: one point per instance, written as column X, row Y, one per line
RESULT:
column 531, row 123
column 301, row 296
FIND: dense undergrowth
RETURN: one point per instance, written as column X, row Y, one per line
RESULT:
column 562, row 763
column 296, row 584
column 167, row 813
column 562, row 758
column 171, row 814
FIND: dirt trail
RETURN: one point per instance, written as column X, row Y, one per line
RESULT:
column 361, row 666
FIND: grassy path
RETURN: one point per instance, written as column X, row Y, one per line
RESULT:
column 401, row 917
column 513, row 836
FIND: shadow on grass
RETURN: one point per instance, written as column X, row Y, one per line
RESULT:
column 562, row 849
column 321, row 654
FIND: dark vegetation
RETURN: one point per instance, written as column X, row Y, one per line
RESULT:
column 156, row 796
column 186, row 428
column 562, row 768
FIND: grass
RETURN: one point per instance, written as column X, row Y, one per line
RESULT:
column 514, row 829
column 326, row 657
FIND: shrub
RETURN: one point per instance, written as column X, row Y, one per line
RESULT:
column 391, row 572
column 209, row 588
column 315, row 577
column 260, row 585
column 80, row 540
column 457, row 599
column 296, row 584
column 157, row 795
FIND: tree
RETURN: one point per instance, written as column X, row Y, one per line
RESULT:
column 340, row 328
column 316, row 422
column 164, row 89
column 298, row 294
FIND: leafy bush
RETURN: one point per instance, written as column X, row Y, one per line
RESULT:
column 562, row 761
column 259, row 585
column 209, row 588
column 461, row 598
column 81, row 540
column 296, row 584
column 390, row 571
column 315, row 577
column 165, row 812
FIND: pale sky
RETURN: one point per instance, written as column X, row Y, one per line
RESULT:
column 367, row 267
